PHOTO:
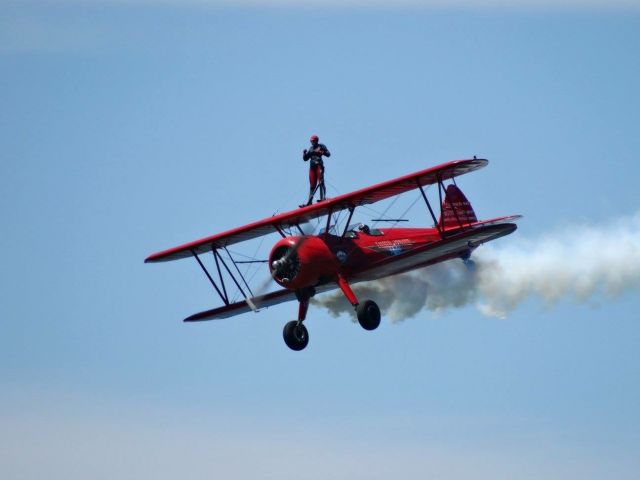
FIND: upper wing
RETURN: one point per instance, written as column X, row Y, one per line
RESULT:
column 363, row 196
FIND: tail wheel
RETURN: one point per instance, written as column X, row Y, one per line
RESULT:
column 295, row 335
column 368, row 315
column 470, row 264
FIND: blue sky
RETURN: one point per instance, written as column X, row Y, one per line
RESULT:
column 129, row 127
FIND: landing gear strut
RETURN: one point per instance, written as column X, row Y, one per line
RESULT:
column 368, row 312
column 295, row 334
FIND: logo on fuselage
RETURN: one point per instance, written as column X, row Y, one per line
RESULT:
column 392, row 247
column 341, row 256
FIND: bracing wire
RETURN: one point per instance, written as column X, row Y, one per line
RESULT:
column 382, row 215
column 407, row 210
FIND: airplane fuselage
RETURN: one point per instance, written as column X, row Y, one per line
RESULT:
column 361, row 255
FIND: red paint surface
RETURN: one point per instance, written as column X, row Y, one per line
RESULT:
column 325, row 262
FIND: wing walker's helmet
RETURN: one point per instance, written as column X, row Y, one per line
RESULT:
column 314, row 139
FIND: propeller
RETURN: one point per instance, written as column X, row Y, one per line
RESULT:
column 278, row 268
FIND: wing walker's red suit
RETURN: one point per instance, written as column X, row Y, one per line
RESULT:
column 316, row 168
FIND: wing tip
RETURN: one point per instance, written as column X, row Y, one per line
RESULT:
column 155, row 259
column 196, row 317
column 480, row 162
column 169, row 255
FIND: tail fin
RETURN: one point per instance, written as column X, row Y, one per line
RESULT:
column 456, row 210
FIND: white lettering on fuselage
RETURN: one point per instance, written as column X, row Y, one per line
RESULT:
column 393, row 247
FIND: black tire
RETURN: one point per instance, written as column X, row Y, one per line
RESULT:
column 295, row 335
column 368, row 315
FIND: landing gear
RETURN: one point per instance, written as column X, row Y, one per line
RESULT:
column 368, row 315
column 295, row 335
column 367, row 311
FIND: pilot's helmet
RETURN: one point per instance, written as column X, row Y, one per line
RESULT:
column 364, row 228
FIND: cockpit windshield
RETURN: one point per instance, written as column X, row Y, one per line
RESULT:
column 354, row 229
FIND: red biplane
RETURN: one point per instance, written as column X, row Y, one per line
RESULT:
column 304, row 265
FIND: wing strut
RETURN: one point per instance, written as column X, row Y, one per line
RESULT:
column 239, row 272
column 440, row 190
column 218, row 257
column 221, row 289
column 426, row 200
column 329, row 213
column 224, row 297
column 224, row 288
column 346, row 225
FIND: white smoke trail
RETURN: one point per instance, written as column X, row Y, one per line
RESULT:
column 578, row 263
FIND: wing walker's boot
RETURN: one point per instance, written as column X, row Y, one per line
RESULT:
column 323, row 192
column 312, row 192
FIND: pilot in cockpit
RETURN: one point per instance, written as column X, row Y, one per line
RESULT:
column 364, row 229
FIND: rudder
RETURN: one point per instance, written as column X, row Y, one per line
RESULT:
column 456, row 210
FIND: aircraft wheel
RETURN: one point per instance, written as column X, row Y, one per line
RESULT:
column 295, row 335
column 368, row 315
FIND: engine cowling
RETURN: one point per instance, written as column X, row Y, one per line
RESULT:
column 299, row 262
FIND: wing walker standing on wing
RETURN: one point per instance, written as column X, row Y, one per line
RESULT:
column 316, row 168
column 343, row 254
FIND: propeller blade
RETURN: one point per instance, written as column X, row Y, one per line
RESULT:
column 262, row 290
